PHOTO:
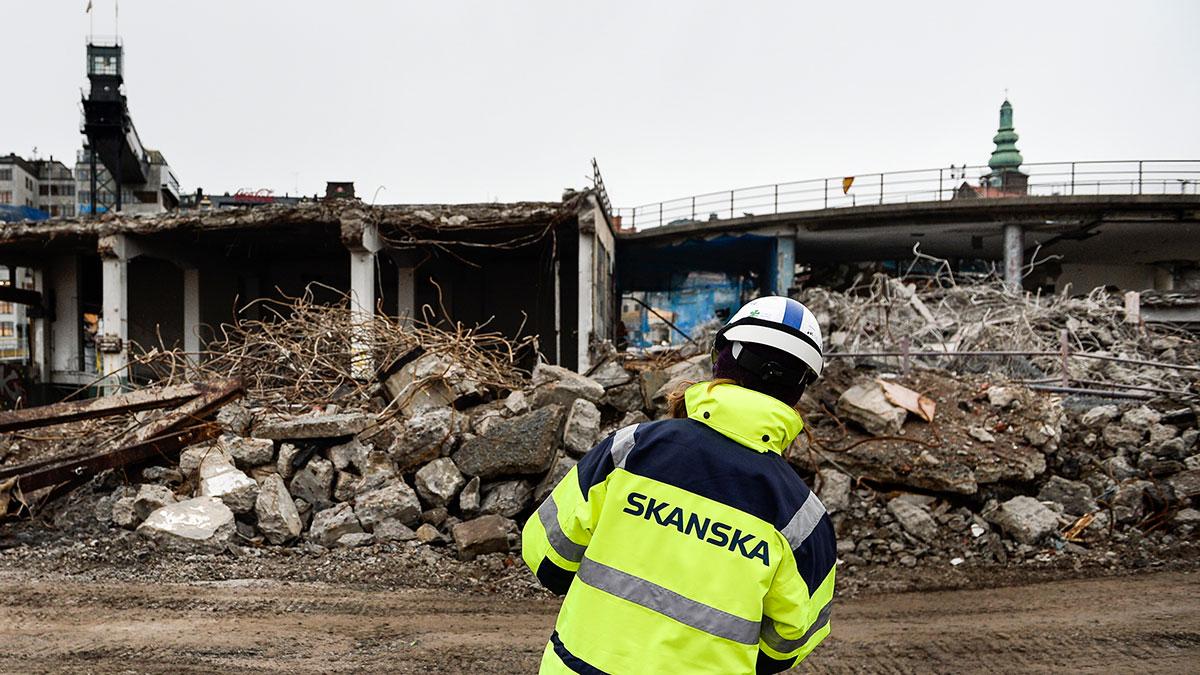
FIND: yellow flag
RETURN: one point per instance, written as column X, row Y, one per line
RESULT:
column 846, row 183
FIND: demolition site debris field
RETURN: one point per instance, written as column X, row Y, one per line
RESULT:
column 279, row 505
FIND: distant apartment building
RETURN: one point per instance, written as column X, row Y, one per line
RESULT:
column 14, row 343
column 18, row 182
column 56, row 188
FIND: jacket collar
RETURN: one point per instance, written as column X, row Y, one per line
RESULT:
column 755, row 420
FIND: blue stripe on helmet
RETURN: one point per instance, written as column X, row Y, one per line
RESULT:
column 793, row 314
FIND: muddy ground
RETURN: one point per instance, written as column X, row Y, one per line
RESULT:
column 86, row 607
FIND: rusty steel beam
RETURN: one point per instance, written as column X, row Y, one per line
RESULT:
column 73, row 411
column 162, row 438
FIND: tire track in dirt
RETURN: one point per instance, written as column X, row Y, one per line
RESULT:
column 1136, row 623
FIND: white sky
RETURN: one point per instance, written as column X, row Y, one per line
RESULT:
column 482, row 101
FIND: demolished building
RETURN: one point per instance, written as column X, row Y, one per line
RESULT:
column 170, row 280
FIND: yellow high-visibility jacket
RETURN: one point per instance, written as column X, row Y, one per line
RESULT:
column 687, row 546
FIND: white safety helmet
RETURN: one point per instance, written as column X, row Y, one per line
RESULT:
column 782, row 324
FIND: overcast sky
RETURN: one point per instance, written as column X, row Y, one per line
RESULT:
column 483, row 101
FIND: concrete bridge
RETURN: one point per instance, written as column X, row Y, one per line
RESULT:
column 1131, row 224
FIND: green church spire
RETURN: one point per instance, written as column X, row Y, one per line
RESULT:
column 1005, row 157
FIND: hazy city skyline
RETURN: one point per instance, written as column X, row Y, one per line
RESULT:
column 463, row 102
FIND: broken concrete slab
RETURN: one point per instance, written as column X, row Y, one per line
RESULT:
column 485, row 534
column 1141, row 418
column 582, row 429
column 867, row 405
column 428, row 534
column 507, row 498
column 611, row 374
column 391, row 529
column 200, row 523
column 314, row 483
column 1186, row 484
column 429, row 382
column 345, row 486
column 521, row 445
column 1003, row 397
column 355, row 539
column 333, row 523
column 439, row 481
column 625, row 398
column 378, row 471
column 278, row 519
column 1026, row 519
column 123, row 514
column 1099, row 416
column 397, row 501
column 314, row 426
column 285, row 464
column 916, row 520
column 191, row 456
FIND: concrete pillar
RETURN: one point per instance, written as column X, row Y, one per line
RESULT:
column 586, row 295
column 39, row 338
column 191, row 312
column 114, row 338
column 406, row 292
column 785, row 263
column 362, row 300
column 65, row 340
column 1014, row 254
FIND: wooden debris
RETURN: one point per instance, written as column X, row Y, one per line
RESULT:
column 918, row 404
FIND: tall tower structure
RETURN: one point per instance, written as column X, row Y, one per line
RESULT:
column 1006, row 160
column 111, row 136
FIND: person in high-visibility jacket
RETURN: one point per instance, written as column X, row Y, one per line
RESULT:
column 689, row 545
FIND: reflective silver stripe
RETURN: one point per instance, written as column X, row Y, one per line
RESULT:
column 665, row 601
column 548, row 514
column 621, row 445
column 772, row 638
column 802, row 524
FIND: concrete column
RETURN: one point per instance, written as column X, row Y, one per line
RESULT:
column 1014, row 254
column 785, row 263
column 362, row 300
column 65, row 340
column 114, row 340
column 39, row 338
column 406, row 292
column 586, row 298
column 191, row 312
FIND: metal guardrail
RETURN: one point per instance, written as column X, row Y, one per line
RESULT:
column 1045, row 179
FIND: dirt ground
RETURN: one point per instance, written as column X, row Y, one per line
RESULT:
column 1145, row 622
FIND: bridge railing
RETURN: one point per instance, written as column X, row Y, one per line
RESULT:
column 1046, row 179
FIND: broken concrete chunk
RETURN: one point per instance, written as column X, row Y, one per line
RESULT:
column 1122, row 438
column 582, row 427
column 393, row 530
column 1099, row 416
column 222, row 480
column 278, row 519
column 915, row 519
column 558, row 470
column 396, row 501
column 1140, row 418
column 835, row 490
column 285, row 463
column 439, row 481
column 150, row 498
column 345, row 486
column 428, row 534
column 1075, row 497
column 1026, row 519
column 314, row 426
column 516, row 402
column 191, row 457
column 611, row 374
column 521, row 445
column 314, row 483
column 355, row 539
column 866, row 405
column 199, row 523
column 333, row 523
column 162, row 475
column 507, row 499
column 982, row 435
column 1003, row 397
column 123, row 513
column 625, row 398
column 350, row 455
column 429, row 382
column 249, row 452
column 425, row 437
column 555, row 385
column 485, row 534
column 234, row 418
column 379, row 471
column 468, row 499
column 1186, row 484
